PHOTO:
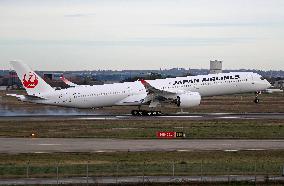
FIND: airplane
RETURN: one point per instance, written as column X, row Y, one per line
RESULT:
column 183, row 92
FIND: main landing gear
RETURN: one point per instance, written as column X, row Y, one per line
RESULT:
column 145, row 113
column 256, row 99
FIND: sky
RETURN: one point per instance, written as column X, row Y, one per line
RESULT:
column 142, row 34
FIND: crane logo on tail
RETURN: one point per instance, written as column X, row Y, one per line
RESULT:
column 30, row 80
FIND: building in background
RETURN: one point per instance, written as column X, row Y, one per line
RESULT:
column 13, row 80
column 279, row 84
column 52, row 76
column 215, row 67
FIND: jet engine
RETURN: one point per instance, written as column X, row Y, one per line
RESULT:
column 189, row 99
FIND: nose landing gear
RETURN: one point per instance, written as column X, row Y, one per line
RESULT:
column 256, row 99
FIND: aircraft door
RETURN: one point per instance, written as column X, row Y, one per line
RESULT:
column 250, row 85
column 250, row 79
column 129, row 91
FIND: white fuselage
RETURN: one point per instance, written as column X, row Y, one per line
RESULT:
column 131, row 93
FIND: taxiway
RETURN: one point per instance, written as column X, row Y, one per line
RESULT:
column 49, row 145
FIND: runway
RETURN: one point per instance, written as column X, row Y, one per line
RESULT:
column 49, row 145
column 180, row 116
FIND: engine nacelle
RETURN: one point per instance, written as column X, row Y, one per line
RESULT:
column 189, row 99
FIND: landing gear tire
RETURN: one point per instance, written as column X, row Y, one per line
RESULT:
column 178, row 101
column 145, row 113
column 134, row 112
column 256, row 100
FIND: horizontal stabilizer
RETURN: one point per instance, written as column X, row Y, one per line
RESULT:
column 26, row 97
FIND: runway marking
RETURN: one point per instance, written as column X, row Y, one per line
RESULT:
column 97, row 118
column 127, row 128
column 183, row 150
column 231, row 150
column 122, row 116
column 230, row 117
column 255, row 149
column 179, row 116
column 47, row 144
column 102, row 151
column 220, row 113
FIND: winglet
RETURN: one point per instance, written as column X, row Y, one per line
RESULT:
column 148, row 87
column 66, row 81
column 143, row 82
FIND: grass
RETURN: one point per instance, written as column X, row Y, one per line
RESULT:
column 144, row 129
column 135, row 163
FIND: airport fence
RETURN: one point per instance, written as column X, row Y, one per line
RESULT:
column 119, row 169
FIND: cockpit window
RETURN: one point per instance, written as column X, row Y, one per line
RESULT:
column 262, row 78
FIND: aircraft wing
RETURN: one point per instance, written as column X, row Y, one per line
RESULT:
column 152, row 90
column 155, row 95
column 181, row 98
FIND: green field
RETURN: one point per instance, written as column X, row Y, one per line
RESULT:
column 145, row 129
column 143, row 163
